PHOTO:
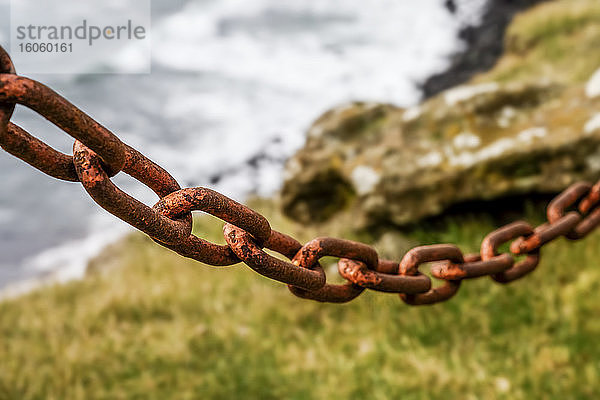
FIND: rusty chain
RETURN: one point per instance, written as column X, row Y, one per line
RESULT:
column 98, row 155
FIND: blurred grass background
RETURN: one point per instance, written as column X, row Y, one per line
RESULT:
column 149, row 324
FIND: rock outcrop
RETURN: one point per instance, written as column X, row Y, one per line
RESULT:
column 511, row 131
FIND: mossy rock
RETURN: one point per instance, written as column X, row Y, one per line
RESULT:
column 477, row 142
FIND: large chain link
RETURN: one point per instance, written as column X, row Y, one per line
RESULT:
column 98, row 154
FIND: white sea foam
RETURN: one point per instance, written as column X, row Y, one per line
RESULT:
column 278, row 65
column 283, row 63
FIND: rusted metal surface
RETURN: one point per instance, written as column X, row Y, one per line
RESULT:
column 98, row 154
column 591, row 200
column 558, row 206
column 202, row 199
column 489, row 251
column 184, row 201
column 6, row 64
column 329, row 293
column 546, row 233
column 308, row 257
column 49, row 104
column 39, row 154
column 21, row 144
column 99, row 186
column 389, row 281
column 283, row 244
column 472, row 267
column 244, row 246
column 589, row 223
column 410, row 266
column 6, row 109
column 588, row 208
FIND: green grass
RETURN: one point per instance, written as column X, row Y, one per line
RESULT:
column 148, row 324
column 557, row 40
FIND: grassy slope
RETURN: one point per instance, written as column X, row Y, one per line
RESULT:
column 558, row 41
column 149, row 324
column 159, row 326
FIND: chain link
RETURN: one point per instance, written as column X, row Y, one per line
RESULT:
column 98, row 154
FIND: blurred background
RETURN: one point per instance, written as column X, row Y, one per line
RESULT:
column 395, row 123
